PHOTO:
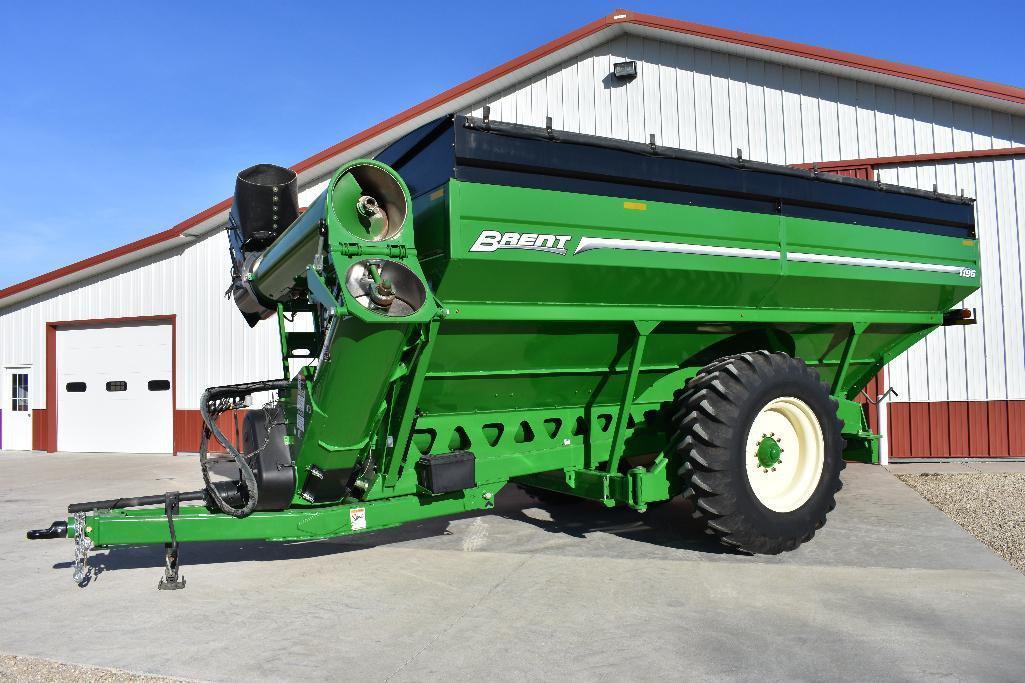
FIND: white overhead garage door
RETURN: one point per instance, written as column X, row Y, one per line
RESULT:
column 114, row 390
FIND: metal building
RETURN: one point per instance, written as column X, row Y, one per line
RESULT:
column 147, row 321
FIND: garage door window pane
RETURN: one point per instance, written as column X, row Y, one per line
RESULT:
column 19, row 392
column 158, row 385
column 75, row 387
column 117, row 386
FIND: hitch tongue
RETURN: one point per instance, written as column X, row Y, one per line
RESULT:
column 58, row 529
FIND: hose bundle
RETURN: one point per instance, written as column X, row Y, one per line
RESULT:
column 215, row 401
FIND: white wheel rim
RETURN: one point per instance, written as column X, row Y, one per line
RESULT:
column 785, row 485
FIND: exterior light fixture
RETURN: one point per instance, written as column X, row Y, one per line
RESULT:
column 625, row 71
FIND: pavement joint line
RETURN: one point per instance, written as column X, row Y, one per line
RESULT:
column 413, row 575
column 459, row 617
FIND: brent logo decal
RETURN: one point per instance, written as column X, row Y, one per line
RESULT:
column 493, row 240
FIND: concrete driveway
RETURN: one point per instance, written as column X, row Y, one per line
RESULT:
column 889, row 589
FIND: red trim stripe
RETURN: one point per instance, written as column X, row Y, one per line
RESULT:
column 188, row 426
column 39, row 418
column 847, row 59
column 957, row 429
column 138, row 245
column 831, row 166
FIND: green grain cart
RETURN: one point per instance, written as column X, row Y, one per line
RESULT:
column 622, row 322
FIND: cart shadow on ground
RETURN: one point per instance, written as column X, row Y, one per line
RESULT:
column 668, row 525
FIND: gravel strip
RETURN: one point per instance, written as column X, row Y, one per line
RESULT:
column 36, row 670
column 991, row 507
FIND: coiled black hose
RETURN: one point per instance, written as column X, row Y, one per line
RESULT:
column 215, row 401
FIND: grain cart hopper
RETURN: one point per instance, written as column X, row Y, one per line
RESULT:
column 622, row 322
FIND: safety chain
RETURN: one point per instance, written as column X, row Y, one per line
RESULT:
column 83, row 544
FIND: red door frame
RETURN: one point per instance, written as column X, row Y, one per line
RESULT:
column 51, row 367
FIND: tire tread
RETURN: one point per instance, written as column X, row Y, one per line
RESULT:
column 704, row 413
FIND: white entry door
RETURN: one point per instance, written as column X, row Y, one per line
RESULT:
column 114, row 388
column 16, row 434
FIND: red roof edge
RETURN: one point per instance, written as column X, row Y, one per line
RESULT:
column 619, row 16
column 881, row 66
column 145, row 242
column 916, row 158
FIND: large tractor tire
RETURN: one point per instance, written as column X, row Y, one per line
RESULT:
column 762, row 450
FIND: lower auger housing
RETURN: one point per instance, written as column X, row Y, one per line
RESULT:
column 486, row 303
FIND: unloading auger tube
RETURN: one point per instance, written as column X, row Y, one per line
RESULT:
column 620, row 322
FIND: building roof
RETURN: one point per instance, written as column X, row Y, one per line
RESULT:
column 928, row 81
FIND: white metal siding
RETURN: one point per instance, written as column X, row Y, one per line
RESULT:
column 694, row 98
column 709, row 101
column 214, row 345
column 984, row 361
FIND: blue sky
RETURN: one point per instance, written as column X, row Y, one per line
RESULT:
column 120, row 119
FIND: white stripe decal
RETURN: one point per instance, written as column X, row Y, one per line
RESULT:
column 591, row 243
column 872, row 262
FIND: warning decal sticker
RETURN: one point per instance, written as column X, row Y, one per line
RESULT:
column 358, row 518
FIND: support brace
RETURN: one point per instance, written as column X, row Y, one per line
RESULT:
column 419, row 372
column 644, row 328
column 845, row 357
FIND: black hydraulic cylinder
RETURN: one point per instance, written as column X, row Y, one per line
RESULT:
column 228, row 489
column 139, row 501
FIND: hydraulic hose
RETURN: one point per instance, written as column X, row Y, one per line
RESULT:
column 208, row 409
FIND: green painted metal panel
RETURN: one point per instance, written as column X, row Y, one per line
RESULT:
column 197, row 524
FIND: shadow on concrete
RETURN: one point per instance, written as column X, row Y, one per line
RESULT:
column 668, row 525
